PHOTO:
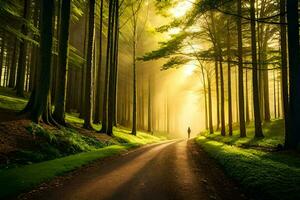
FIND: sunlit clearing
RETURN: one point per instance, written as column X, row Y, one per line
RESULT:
column 181, row 8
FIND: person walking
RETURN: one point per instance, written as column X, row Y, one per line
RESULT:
column 189, row 132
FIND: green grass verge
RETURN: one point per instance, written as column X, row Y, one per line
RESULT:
column 273, row 131
column 9, row 101
column 14, row 181
column 270, row 175
column 58, row 143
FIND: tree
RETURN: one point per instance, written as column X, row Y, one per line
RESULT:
column 292, row 130
column 23, row 52
column 98, row 87
column 89, row 69
column 39, row 99
column 135, row 9
column 240, row 71
column 60, row 96
column 257, row 117
column 113, row 69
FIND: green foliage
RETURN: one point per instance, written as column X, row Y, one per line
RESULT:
column 167, row 48
column 176, row 61
column 271, row 175
column 21, row 179
column 124, row 136
column 9, row 101
column 67, row 140
column 273, row 131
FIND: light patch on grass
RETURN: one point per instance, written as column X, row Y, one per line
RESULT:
column 12, row 103
column 272, row 175
column 273, row 131
column 14, row 181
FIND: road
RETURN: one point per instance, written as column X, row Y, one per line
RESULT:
column 172, row 170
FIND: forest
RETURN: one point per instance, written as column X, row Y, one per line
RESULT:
column 109, row 99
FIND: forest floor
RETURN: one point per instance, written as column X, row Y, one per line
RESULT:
column 31, row 154
column 261, row 166
column 177, row 169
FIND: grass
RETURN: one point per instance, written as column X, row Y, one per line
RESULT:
column 273, row 131
column 21, row 179
column 267, row 175
column 9, row 101
column 17, row 180
column 67, row 148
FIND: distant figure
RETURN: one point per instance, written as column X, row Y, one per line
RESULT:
column 189, row 132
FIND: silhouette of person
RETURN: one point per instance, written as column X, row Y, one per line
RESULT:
column 189, row 132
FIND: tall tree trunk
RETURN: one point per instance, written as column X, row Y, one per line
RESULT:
column 292, row 130
column 229, row 81
column 60, row 96
column 112, row 71
column 257, row 117
column 89, row 68
column 2, row 56
column 217, row 92
column 98, row 89
column 223, row 131
column 134, row 114
column 240, row 72
column 265, row 75
column 23, row 53
column 39, row 96
column 149, row 106
column 107, row 69
column 247, row 98
column 12, row 74
column 211, row 129
column 83, row 70
column 284, row 64
column 274, row 91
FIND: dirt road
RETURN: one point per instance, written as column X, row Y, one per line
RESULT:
column 172, row 170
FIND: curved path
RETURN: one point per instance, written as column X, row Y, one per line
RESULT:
column 172, row 170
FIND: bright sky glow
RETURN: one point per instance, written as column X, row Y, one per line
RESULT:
column 181, row 8
column 174, row 31
column 190, row 68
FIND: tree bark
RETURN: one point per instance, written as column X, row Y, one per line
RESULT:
column 39, row 97
column 240, row 72
column 292, row 130
column 62, row 71
column 89, row 68
column 98, row 89
column 23, row 53
column 257, row 117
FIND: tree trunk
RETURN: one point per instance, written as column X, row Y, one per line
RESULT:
column 240, row 73
column 23, row 53
column 217, row 92
column 149, row 106
column 62, row 72
column 211, row 129
column 12, row 74
column 89, row 68
column 257, row 117
column 284, row 64
column 229, row 81
column 107, row 69
column 98, row 89
column 292, row 130
column 39, row 97
column 112, row 71
column 223, row 131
